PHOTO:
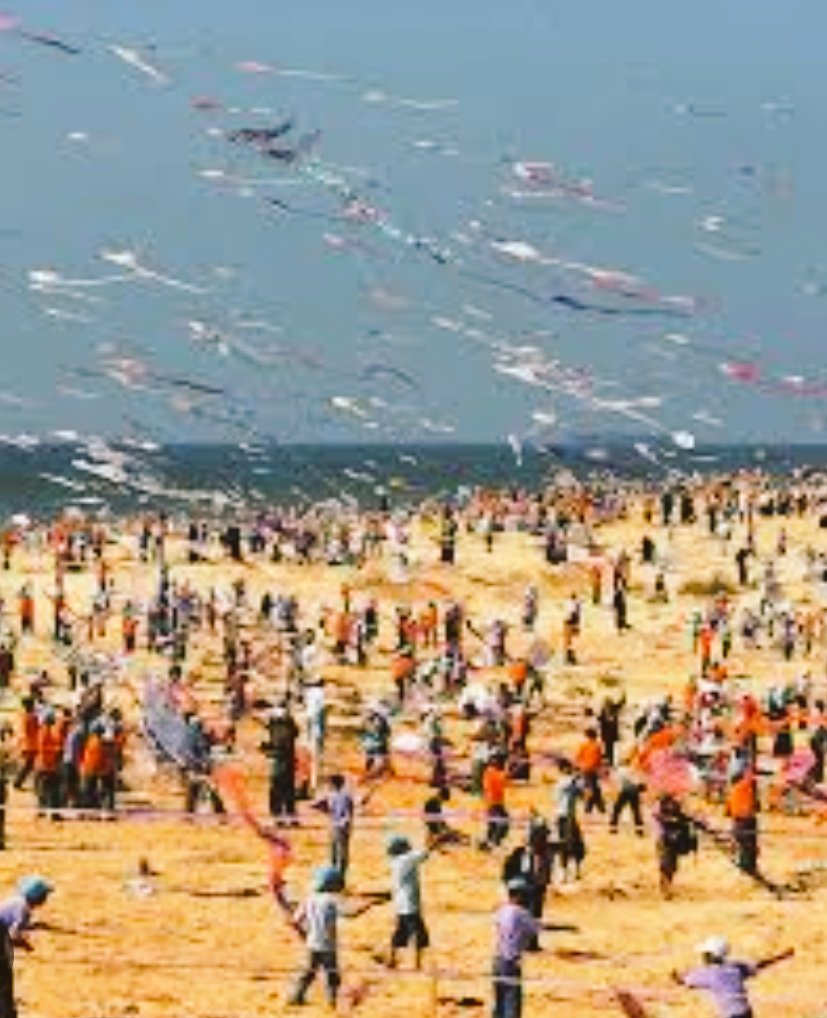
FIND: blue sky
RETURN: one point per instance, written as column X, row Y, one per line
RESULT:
column 681, row 115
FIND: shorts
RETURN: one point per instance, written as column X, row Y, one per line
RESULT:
column 410, row 928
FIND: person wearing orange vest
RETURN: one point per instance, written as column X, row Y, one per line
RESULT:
column 518, row 673
column 93, row 766
column 589, row 761
column 403, row 667
column 494, row 782
column 429, row 624
column 742, row 808
column 47, row 762
column 29, row 727
column 26, row 610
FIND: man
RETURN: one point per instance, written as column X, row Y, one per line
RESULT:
column 567, row 792
column 317, row 921
column 742, row 808
column 589, row 761
column 316, row 722
column 630, row 784
column 516, row 931
column 406, row 894
column 531, row 862
column 438, row 832
column 47, row 763
column 725, row 980
column 29, row 729
column 281, row 748
column 494, row 783
column 15, row 919
column 339, row 807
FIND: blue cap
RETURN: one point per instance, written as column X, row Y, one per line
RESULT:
column 35, row 889
column 398, row 844
column 327, row 878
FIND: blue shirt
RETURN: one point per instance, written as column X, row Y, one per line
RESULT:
column 515, row 931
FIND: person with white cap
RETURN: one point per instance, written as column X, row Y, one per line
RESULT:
column 724, row 979
column 15, row 919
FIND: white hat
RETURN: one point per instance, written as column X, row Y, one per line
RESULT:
column 714, row 947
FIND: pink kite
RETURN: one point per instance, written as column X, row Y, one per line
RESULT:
column 669, row 774
column 798, row 766
column 9, row 22
column 254, row 67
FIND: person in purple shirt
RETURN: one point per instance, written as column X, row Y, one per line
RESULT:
column 515, row 932
column 340, row 808
column 726, row 980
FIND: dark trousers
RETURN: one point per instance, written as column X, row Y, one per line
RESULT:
column 508, row 989
column 497, row 829
column 594, row 793
column 328, row 963
column 340, row 850
column 48, row 790
column 26, row 768
column 7, row 1008
column 90, row 793
column 198, row 787
column 69, row 784
column 745, row 834
column 628, row 797
column 283, row 795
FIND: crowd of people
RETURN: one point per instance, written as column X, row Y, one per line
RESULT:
column 472, row 698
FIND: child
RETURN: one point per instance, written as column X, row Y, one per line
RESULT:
column 407, row 898
column 317, row 920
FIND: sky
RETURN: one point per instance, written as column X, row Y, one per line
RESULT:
column 385, row 299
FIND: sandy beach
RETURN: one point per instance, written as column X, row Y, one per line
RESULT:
column 207, row 941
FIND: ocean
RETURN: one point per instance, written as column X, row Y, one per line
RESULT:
column 220, row 478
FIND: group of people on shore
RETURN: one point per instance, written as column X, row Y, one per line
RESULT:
column 470, row 697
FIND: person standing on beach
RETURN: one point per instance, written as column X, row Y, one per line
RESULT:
column 566, row 794
column 406, row 894
column 339, row 806
column 742, row 808
column 589, row 761
column 29, row 730
column 317, row 921
column 281, row 749
column 515, row 932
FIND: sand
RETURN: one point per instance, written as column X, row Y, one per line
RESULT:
column 180, row 953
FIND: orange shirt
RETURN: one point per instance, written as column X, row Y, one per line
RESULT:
column 29, row 732
column 589, row 756
column 92, row 762
column 742, row 802
column 49, row 747
column 493, row 786
column 401, row 668
column 518, row 670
